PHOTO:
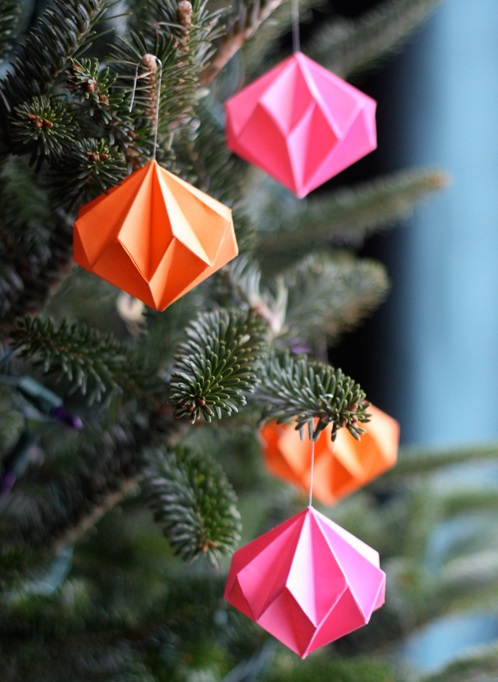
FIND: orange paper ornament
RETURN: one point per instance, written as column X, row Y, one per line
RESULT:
column 154, row 236
column 340, row 468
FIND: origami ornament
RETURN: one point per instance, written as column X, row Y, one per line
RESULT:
column 341, row 467
column 154, row 236
column 301, row 124
column 307, row 582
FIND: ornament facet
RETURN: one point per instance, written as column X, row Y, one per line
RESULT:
column 301, row 124
column 307, row 582
column 154, row 236
column 340, row 467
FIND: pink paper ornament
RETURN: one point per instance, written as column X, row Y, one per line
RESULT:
column 301, row 124
column 307, row 582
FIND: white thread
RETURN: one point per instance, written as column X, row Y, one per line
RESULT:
column 158, row 98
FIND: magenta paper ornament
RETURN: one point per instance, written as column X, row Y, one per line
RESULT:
column 307, row 582
column 301, row 124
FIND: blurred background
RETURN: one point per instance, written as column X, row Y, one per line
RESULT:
column 432, row 357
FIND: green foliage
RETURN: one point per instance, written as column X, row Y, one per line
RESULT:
column 193, row 503
column 57, row 511
column 203, row 147
column 346, row 47
column 42, row 126
column 259, row 52
column 346, row 216
column 88, row 82
column 324, row 669
column 59, row 34
column 330, row 295
column 419, row 462
column 93, row 363
column 244, row 20
column 91, row 168
column 10, row 11
column 313, row 394
column 87, row 593
column 218, row 365
column 480, row 665
column 38, row 272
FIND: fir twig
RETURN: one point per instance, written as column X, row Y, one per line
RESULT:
column 241, row 26
column 348, row 46
column 421, row 461
column 330, row 296
column 349, row 215
column 193, row 503
column 10, row 12
column 218, row 365
column 259, row 52
column 64, row 508
column 49, row 47
column 93, row 363
column 313, row 394
column 34, row 289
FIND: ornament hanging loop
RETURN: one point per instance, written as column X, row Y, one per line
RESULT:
column 152, row 63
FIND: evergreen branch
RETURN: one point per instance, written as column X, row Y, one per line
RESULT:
column 347, row 669
column 10, row 12
column 346, row 46
column 331, row 296
column 86, row 658
column 10, row 287
column 259, row 52
column 241, row 26
column 218, row 365
column 89, row 168
column 180, row 35
column 240, row 285
column 93, row 363
column 479, row 665
column 92, row 85
column 458, row 502
column 194, row 504
column 307, row 391
column 42, row 126
column 47, row 50
column 38, row 277
column 420, row 462
column 461, row 581
column 348, row 215
column 63, row 509
column 214, row 168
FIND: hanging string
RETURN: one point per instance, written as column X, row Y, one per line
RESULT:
column 296, row 43
column 312, row 468
column 158, row 94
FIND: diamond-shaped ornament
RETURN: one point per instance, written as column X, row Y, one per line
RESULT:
column 154, row 236
column 301, row 124
column 340, row 467
column 307, row 582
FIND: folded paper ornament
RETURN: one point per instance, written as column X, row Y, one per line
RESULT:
column 301, row 124
column 307, row 582
column 340, row 467
column 154, row 236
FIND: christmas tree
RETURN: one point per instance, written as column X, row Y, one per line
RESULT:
column 131, row 467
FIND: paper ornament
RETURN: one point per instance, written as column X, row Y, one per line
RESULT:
column 301, row 124
column 307, row 582
column 154, row 236
column 341, row 467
